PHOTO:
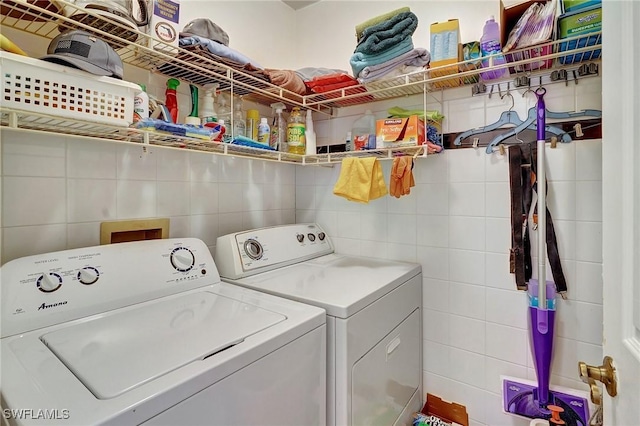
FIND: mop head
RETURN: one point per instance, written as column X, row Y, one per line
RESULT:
column 520, row 397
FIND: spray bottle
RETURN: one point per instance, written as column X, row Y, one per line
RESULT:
column 224, row 112
column 239, row 125
column 171, row 98
column 278, row 128
column 208, row 106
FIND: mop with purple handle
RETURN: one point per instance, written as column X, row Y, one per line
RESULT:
column 542, row 298
column 534, row 401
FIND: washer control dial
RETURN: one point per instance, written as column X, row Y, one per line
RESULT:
column 253, row 249
column 88, row 275
column 182, row 259
column 321, row 235
column 50, row 282
column 300, row 237
column 311, row 237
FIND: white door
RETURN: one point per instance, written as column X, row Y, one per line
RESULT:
column 621, row 206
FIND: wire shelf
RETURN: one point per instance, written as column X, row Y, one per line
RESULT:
column 42, row 123
column 199, row 66
column 195, row 65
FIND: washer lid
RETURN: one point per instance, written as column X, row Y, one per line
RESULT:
column 116, row 353
column 342, row 285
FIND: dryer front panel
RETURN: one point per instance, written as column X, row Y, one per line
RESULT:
column 385, row 379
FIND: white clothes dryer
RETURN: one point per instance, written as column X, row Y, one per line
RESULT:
column 145, row 333
column 374, row 316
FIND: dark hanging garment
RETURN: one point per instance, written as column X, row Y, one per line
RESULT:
column 523, row 184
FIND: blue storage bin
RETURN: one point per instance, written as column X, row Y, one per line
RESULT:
column 573, row 5
column 580, row 23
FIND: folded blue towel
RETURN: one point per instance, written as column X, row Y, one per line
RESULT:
column 418, row 57
column 219, row 50
column 360, row 60
column 388, row 33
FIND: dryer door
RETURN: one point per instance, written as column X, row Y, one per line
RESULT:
column 385, row 379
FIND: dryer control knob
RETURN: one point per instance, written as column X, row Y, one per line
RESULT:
column 253, row 249
column 311, row 237
column 49, row 282
column 321, row 235
column 300, row 237
column 182, row 259
column 88, row 275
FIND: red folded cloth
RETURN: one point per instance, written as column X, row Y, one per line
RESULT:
column 330, row 85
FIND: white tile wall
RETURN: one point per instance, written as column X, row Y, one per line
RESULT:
column 57, row 190
column 457, row 222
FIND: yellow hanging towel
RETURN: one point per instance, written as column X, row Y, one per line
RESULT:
column 360, row 180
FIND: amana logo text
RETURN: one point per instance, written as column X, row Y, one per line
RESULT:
column 52, row 305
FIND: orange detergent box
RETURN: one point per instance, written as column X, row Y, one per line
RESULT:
column 395, row 132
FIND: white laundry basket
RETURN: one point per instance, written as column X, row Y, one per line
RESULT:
column 47, row 88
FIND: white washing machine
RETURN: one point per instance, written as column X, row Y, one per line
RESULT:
column 145, row 332
column 374, row 319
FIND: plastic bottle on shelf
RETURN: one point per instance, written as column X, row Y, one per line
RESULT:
column 363, row 132
column 222, row 136
column 141, row 104
column 310, row 135
column 223, row 110
column 171, row 98
column 278, row 128
column 208, row 104
column 296, row 132
column 239, row 125
column 490, row 45
column 253, row 118
column 348, row 145
column 264, row 131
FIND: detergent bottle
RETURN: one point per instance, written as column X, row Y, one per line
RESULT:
column 141, row 104
column 264, row 131
column 363, row 132
column 490, row 45
column 296, row 132
column 171, row 98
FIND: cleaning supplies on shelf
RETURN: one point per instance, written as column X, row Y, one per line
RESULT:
column 264, row 131
column 161, row 126
column 490, row 46
column 193, row 119
column 310, row 135
column 253, row 119
column 296, row 132
column 171, row 98
column 208, row 104
column 278, row 128
column 141, row 104
column 363, row 132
